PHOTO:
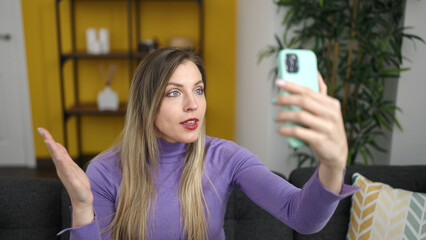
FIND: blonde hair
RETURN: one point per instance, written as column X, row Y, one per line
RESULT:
column 139, row 154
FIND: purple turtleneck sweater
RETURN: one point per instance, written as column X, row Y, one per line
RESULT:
column 228, row 165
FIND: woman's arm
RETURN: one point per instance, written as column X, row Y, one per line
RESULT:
column 306, row 210
column 78, row 187
column 104, row 196
column 74, row 179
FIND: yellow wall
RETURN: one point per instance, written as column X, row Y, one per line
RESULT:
column 160, row 20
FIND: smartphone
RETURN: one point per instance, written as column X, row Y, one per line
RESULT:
column 299, row 66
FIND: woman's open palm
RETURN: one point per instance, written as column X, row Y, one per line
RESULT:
column 72, row 176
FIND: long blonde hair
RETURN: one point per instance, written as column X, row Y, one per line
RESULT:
column 139, row 154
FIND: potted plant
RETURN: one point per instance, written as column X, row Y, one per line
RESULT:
column 358, row 47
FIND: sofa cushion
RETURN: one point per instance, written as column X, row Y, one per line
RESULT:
column 381, row 212
column 66, row 213
column 412, row 178
column 29, row 208
column 244, row 220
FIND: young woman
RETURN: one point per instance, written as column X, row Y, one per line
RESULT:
column 167, row 180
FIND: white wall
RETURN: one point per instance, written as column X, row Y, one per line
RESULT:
column 409, row 146
column 257, row 22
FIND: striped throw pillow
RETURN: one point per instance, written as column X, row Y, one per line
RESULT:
column 379, row 211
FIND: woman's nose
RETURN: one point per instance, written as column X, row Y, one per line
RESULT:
column 190, row 103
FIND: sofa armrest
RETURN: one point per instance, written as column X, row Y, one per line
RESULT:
column 29, row 208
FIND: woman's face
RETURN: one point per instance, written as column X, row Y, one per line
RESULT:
column 183, row 106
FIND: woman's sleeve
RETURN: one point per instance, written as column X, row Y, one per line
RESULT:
column 306, row 210
column 103, row 203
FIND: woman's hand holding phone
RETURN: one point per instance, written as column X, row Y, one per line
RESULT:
column 322, row 129
column 74, row 179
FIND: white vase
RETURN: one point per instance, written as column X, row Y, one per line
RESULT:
column 107, row 100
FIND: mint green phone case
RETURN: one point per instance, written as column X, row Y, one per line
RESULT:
column 303, row 73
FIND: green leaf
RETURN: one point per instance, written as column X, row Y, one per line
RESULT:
column 349, row 159
column 383, row 122
column 285, row 2
column 303, row 157
column 278, row 40
column 370, row 155
column 412, row 37
column 293, row 42
column 377, row 147
column 288, row 15
column 266, row 53
column 364, row 156
column 394, row 70
column 397, row 123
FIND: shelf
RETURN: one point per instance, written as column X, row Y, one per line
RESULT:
column 111, row 55
column 116, row 54
column 199, row 1
column 77, row 56
column 92, row 109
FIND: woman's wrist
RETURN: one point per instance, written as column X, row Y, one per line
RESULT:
column 331, row 177
column 82, row 216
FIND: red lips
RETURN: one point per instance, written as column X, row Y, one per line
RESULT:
column 190, row 124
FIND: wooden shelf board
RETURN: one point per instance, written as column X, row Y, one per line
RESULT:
column 111, row 55
column 92, row 109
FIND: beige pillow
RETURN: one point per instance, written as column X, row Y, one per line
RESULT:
column 381, row 212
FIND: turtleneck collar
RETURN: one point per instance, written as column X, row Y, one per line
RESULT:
column 171, row 150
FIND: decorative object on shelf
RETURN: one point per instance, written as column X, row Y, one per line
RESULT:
column 147, row 45
column 181, row 42
column 97, row 45
column 107, row 98
column 104, row 40
column 91, row 41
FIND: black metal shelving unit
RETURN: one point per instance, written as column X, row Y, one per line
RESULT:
column 79, row 108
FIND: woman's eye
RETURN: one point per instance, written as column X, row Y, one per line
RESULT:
column 199, row 91
column 173, row 94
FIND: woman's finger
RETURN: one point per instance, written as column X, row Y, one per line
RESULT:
column 302, row 133
column 61, row 159
column 62, row 148
column 321, row 84
column 66, row 167
column 325, row 108
column 306, row 119
column 45, row 134
column 55, row 153
column 66, row 156
column 297, row 89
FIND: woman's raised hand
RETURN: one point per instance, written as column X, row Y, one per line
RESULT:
column 324, row 132
column 74, row 179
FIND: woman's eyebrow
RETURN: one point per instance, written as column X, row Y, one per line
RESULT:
column 180, row 85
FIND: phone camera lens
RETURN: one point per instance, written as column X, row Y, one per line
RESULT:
column 292, row 65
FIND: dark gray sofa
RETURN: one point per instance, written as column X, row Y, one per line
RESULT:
column 34, row 208
column 412, row 178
